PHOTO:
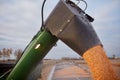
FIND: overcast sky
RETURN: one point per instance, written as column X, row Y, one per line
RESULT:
column 20, row 20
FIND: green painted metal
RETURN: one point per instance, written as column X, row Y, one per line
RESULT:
column 34, row 53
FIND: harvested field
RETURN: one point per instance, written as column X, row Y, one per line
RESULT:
column 48, row 65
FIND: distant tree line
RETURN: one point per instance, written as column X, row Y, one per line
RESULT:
column 6, row 53
column 70, row 58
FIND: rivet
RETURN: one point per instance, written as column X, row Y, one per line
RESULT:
column 60, row 30
column 68, row 20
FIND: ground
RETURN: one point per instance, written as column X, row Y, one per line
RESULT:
column 48, row 65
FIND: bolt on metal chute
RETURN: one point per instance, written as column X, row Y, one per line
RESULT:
column 68, row 23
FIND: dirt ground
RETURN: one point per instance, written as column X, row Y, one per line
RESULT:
column 116, row 66
column 48, row 65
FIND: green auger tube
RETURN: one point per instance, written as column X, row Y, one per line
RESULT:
column 34, row 53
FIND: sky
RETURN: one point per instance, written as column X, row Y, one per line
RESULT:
column 20, row 20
